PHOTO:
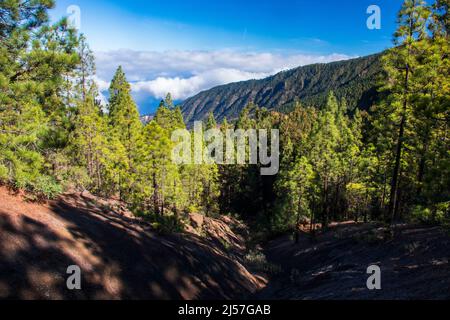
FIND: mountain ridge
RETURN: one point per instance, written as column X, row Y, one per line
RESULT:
column 353, row 79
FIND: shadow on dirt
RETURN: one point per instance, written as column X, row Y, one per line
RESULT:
column 118, row 258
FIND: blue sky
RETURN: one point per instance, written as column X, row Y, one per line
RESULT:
column 189, row 46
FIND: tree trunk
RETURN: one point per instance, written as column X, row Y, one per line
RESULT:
column 421, row 172
column 313, row 218
column 393, row 206
column 155, row 194
column 297, row 231
column 325, row 204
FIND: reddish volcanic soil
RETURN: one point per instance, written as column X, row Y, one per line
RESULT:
column 120, row 257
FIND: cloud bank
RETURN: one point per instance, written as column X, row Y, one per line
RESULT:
column 182, row 88
column 186, row 73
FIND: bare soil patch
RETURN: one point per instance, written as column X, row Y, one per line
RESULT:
column 414, row 264
column 120, row 256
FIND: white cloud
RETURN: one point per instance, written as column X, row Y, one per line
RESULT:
column 185, row 73
column 182, row 88
column 101, row 84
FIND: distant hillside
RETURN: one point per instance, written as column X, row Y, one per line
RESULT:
column 147, row 118
column 353, row 79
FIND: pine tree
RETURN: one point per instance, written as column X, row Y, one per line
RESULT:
column 126, row 126
column 211, row 122
column 430, row 114
column 441, row 17
column 89, row 139
column 169, row 117
column 35, row 60
column 294, row 186
column 86, row 68
column 168, row 102
column 399, row 62
column 324, row 154
column 158, row 179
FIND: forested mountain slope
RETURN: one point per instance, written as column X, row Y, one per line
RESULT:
column 355, row 80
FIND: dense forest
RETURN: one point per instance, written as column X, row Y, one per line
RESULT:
column 388, row 163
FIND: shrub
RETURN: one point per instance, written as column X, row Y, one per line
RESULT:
column 168, row 224
column 165, row 224
column 438, row 213
column 258, row 262
column 46, row 187
column 3, row 173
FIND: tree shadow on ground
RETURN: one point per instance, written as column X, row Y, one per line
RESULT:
column 118, row 258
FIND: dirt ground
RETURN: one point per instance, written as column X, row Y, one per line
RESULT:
column 414, row 264
column 121, row 257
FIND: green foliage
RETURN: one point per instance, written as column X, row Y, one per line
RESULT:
column 211, row 122
column 258, row 262
column 322, row 169
column 126, row 128
column 410, row 126
column 166, row 224
column 3, row 173
column 46, row 187
column 294, row 186
column 439, row 213
column 36, row 59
